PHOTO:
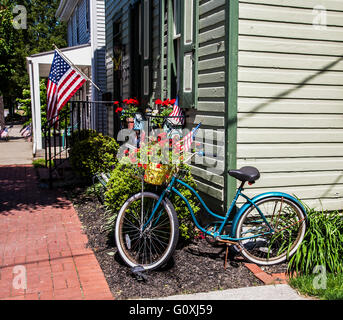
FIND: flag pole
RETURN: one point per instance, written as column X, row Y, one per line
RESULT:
column 74, row 66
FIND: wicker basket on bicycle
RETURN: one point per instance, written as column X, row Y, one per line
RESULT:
column 157, row 174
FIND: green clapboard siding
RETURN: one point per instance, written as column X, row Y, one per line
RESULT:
column 290, row 98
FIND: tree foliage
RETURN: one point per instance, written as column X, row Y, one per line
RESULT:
column 43, row 30
column 7, row 48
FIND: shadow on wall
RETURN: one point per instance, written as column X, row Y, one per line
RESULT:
column 286, row 93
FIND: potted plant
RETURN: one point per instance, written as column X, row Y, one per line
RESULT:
column 163, row 110
column 128, row 111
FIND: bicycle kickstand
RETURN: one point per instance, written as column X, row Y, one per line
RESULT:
column 228, row 243
column 226, row 256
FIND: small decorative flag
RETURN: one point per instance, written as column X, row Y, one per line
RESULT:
column 4, row 133
column 64, row 80
column 177, row 116
column 185, row 143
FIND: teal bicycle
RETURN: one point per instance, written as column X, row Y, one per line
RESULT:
column 266, row 230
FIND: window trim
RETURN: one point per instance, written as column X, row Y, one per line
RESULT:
column 231, row 97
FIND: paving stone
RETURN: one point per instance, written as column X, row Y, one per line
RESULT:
column 41, row 232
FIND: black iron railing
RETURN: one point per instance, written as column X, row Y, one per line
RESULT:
column 57, row 133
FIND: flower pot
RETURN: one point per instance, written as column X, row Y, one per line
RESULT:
column 130, row 123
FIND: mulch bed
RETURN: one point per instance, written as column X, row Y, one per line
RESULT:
column 196, row 267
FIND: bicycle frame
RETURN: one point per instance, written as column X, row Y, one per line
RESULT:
column 223, row 220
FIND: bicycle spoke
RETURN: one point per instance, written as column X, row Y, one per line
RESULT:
column 286, row 222
column 145, row 246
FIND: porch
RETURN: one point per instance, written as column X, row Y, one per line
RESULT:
column 38, row 66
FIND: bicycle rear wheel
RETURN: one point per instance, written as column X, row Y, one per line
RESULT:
column 264, row 247
column 147, row 245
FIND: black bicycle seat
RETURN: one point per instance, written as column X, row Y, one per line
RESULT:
column 250, row 174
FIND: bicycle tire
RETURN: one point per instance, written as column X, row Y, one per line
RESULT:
column 159, row 239
column 261, row 250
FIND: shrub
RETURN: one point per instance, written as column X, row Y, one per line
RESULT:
column 93, row 153
column 187, row 230
column 40, row 163
column 322, row 244
column 122, row 185
column 83, row 134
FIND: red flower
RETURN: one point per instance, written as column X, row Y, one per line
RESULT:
column 145, row 166
column 119, row 109
column 116, row 103
column 133, row 101
column 126, row 101
column 167, row 176
column 139, row 165
column 172, row 101
column 165, row 102
column 158, row 102
column 126, row 151
column 158, row 166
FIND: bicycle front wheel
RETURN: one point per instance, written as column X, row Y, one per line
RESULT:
column 149, row 245
column 264, row 246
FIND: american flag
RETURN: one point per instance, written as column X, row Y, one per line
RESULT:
column 63, row 82
column 177, row 113
column 185, row 143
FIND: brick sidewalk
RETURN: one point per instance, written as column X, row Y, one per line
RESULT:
column 41, row 235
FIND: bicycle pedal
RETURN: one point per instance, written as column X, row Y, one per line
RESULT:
column 138, row 272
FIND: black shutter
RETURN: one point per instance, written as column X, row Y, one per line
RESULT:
column 188, row 54
column 146, row 49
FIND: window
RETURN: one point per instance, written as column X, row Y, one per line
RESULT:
column 87, row 16
column 117, row 60
column 135, row 51
column 140, row 50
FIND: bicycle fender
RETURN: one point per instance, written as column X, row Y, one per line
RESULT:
column 258, row 198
